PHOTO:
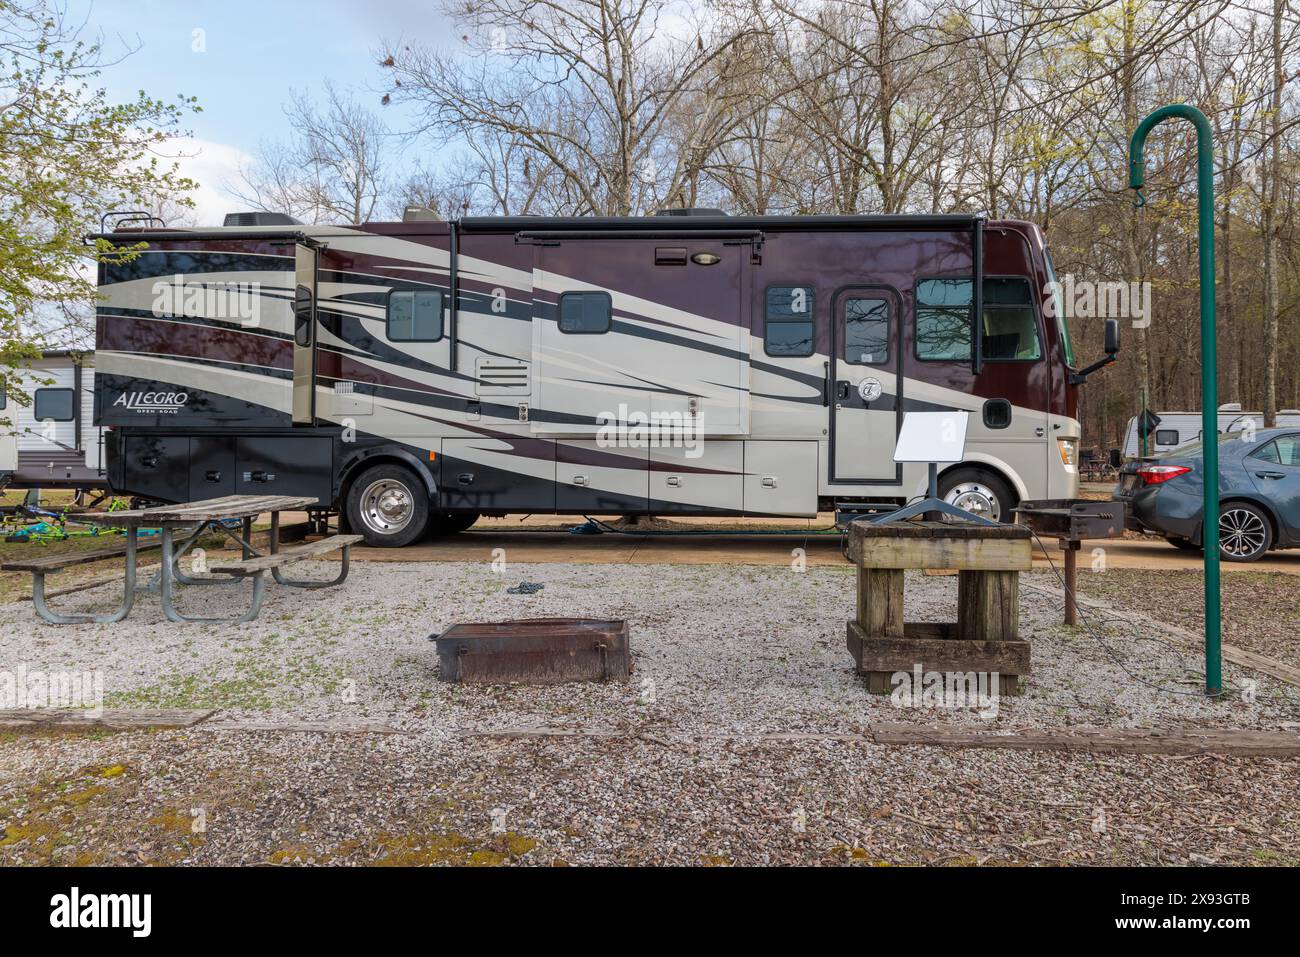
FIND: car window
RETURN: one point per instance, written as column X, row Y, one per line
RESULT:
column 1288, row 448
column 1267, row 453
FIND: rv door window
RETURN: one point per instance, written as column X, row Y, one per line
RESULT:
column 866, row 331
column 788, row 326
column 414, row 315
column 56, row 404
column 585, row 312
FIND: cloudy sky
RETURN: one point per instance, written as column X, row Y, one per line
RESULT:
column 241, row 58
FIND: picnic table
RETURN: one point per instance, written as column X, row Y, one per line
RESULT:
column 192, row 520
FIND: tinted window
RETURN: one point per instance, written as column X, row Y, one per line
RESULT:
column 414, row 315
column 53, row 404
column 587, row 312
column 4, row 400
column 788, row 326
column 1288, row 447
column 1009, row 329
column 1166, row 436
column 866, row 331
column 302, row 316
column 1267, row 453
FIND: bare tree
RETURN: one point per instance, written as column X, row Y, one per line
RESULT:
column 330, row 170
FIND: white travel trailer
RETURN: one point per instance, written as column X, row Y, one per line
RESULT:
column 1178, row 428
column 50, row 440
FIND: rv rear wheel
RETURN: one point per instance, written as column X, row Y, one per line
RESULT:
column 388, row 505
column 979, row 492
column 451, row 523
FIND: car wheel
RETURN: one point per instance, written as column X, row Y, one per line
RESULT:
column 388, row 505
column 1245, row 532
column 979, row 492
column 1186, row 544
column 451, row 523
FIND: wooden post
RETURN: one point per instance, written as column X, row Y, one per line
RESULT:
column 880, row 601
column 988, row 605
column 1071, row 550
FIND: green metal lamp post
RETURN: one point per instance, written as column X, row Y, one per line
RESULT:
column 1209, row 386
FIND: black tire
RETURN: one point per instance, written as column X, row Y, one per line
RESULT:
column 388, row 505
column 977, row 484
column 1245, row 532
column 450, row 523
column 1186, row 544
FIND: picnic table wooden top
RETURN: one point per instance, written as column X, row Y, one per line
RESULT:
column 208, row 510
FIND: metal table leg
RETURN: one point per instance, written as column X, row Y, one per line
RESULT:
column 128, row 594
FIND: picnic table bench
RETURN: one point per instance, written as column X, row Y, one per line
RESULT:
column 193, row 519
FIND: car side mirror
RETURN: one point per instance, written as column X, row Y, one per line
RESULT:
column 1112, row 337
column 1116, row 458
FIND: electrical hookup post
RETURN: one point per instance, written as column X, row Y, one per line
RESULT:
column 1209, row 363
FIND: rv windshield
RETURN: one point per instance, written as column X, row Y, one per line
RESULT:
column 1063, row 327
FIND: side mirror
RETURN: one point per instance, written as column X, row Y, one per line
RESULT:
column 1116, row 457
column 1112, row 337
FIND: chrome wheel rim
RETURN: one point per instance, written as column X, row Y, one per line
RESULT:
column 386, row 507
column 1241, row 533
column 975, row 498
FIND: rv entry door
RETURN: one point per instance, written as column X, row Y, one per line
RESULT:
column 304, row 336
column 866, row 385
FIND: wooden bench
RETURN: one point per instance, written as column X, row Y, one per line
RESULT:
column 50, row 564
column 280, row 557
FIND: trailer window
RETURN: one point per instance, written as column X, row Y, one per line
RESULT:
column 866, row 331
column 56, row 404
column 585, row 313
column 788, row 326
column 1166, row 436
column 414, row 315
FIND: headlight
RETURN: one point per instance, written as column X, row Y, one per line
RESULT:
column 1069, row 452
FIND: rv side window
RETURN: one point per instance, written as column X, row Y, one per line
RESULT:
column 53, row 404
column 4, row 399
column 788, row 329
column 585, row 312
column 1166, row 436
column 866, row 331
column 943, row 319
column 414, row 315
column 1008, row 328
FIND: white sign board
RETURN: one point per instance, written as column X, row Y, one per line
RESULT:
column 938, row 437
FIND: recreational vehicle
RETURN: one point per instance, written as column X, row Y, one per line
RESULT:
column 1168, row 430
column 415, row 375
column 49, row 440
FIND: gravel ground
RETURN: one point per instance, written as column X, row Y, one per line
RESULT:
column 722, row 653
column 1261, row 611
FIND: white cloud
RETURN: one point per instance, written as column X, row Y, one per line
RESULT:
column 212, row 166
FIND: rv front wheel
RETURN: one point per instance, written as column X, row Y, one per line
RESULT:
column 979, row 492
column 389, row 506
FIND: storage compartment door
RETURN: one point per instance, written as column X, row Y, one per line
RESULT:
column 589, row 478
column 781, row 478
column 280, row 465
column 212, row 467
column 714, row 480
column 157, row 467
